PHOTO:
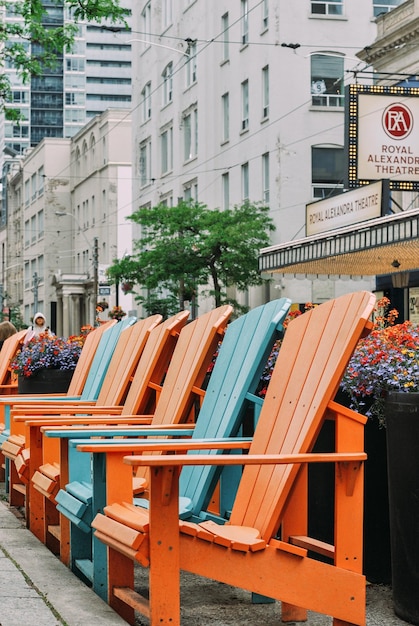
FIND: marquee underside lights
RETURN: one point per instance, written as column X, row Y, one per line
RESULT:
column 365, row 249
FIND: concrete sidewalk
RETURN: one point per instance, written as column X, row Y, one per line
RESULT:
column 36, row 588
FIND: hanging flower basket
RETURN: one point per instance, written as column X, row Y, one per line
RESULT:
column 126, row 287
column 116, row 313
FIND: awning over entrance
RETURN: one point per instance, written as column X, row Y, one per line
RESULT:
column 384, row 245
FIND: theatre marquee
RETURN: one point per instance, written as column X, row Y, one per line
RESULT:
column 382, row 135
column 344, row 209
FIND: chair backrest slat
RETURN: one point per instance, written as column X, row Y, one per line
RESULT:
column 152, row 367
column 78, row 380
column 101, row 360
column 123, row 363
column 242, row 356
column 312, row 360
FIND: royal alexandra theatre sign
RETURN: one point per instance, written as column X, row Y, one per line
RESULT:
column 345, row 209
column 382, row 136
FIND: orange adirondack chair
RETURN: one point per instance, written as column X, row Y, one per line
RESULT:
column 77, row 380
column 115, row 386
column 264, row 547
column 8, row 350
column 87, row 378
column 151, row 364
column 189, row 362
column 8, row 383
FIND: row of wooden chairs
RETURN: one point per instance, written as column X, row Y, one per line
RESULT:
column 249, row 529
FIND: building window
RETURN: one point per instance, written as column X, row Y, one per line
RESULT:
column 245, row 182
column 327, row 80
column 265, row 178
column 167, row 13
column 41, row 224
column 190, row 134
column 245, row 21
column 146, row 24
column 20, row 97
column 190, row 64
column 27, row 273
column 327, row 167
column 167, row 200
column 33, row 229
column 146, row 102
column 384, row 6
column 265, row 92
column 93, row 151
column 190, row 190
column 331, row 7
column 74, row 64
column 225, row 33
column 74, row 98
column 167, row 84
column 75, row 116
column 33, row 187
column 27, row 233
column 226, row 190
column 104, row 204
column 225, row 99
column 41, row 270
column 27, row 192
column 85, row 153
column 41, row 177
column 145, row 162
column 166, row 142
column 265, row 14
column 245, row 105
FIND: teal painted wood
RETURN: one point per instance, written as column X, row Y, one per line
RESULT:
column 236, row 375
column 102, row 358
column 242, row 356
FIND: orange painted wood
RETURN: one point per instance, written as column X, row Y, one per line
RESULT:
column 236, row 459
column 119, row 375
column 121, row 532
column 164, row 549
column 311, row 363
column 309, row 543
column 128, row 514
column 8, row 384
column 202, row 336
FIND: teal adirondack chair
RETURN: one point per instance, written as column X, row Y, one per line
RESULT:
column 230, row 392
column 90, row 392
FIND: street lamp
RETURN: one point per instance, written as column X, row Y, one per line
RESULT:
column 95, row 258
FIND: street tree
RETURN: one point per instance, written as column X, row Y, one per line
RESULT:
column 188, row 246
column 32, row 40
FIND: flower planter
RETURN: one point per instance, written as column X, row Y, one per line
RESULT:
column 402, row 420
column 45, row 381
column 376, row 558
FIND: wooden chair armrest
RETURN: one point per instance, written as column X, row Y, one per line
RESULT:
column 165, row 460
column 106, row 431
column 334, row 410
column 45, row 411
column 161, row 445
column 138, row 422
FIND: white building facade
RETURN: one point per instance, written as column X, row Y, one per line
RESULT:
column 66, row 207
column 244, row 100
